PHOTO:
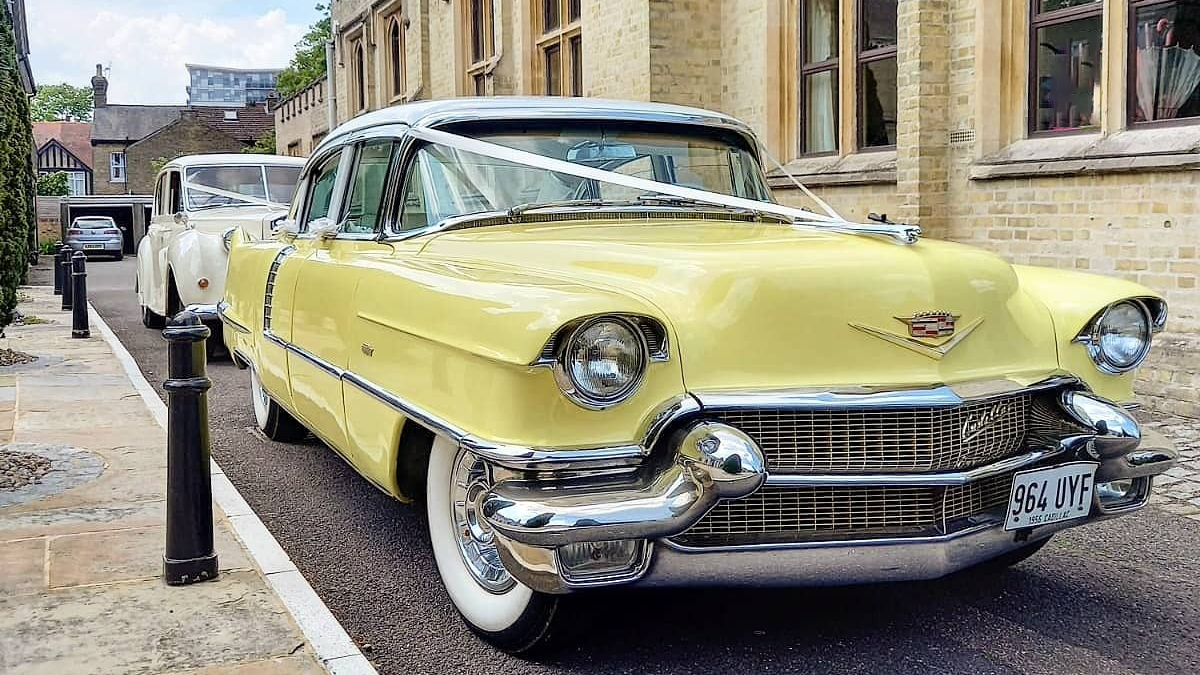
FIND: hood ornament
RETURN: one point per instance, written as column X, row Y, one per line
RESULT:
column 924, row 331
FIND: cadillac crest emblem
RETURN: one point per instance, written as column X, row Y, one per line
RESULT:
column 929, row 324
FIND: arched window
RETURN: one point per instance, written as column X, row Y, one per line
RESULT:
column 396, row 53
column 360, row 78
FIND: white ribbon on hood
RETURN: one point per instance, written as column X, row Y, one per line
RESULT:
column 903, row 233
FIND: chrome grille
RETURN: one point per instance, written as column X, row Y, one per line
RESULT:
column 849, row 440
column 777, row 515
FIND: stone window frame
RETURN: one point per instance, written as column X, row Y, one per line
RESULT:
column 562, row 38
column 397, row 56
column 1005, row 149
column 479, row 60
column 850, row 165
column 354, row 57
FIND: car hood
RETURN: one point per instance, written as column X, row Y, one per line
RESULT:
column 762, row 305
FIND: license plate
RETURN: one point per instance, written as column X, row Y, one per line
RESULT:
column 89, row 246
column 1044, row 496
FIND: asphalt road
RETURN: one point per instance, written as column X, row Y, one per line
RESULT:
column 1118, row 597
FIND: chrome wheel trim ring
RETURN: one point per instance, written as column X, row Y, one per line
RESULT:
column 469, row 482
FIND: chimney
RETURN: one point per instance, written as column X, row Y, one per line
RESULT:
column 272, row 101
column 99, row 88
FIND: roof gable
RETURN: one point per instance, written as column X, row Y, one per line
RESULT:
column 47, row 150
column 74, row 137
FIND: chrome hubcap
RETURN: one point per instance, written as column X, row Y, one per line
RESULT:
column 476, row 541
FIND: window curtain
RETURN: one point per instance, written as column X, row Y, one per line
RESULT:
column 820, row 90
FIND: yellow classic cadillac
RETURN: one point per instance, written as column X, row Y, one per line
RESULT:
column 585, row 336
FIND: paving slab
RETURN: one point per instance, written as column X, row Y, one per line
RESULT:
column 81, row 549
column 143, row 627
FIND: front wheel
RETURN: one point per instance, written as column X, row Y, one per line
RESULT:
column 151, row 319
column 275, row 422
column 494, row 605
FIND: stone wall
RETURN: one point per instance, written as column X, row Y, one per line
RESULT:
column 301, row 120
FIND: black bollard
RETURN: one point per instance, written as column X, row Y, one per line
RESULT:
column 79, row 306
column 58, row 272
column 66, row 270
column 190, row 556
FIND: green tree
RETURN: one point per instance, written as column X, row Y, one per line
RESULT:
column 53, row 184
column 265, row 145
column 16, row 172
column 309, row 62
column 62, row 102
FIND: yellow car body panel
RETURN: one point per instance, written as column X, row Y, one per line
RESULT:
column 453, row 322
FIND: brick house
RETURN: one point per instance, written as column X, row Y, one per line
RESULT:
column 1053, row 132
column 127, row 140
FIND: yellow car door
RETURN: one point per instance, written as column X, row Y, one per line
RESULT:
column 323, row 310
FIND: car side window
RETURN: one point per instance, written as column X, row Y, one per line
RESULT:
column 366, row 190
column 320, row 194
column 160, row 196
column 413, row 214
column 175, row 193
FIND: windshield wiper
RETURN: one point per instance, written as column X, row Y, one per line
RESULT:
column 670, row 200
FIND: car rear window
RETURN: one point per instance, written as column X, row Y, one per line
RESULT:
column 94, row 224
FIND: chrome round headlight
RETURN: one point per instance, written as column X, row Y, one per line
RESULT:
column 1120, row 339
column 602, row 362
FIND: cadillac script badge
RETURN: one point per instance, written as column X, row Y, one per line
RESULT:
column 929, row 324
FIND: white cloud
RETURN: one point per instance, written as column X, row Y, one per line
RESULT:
column 148, row 44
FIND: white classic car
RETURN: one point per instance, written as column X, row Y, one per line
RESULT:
column 198, row 201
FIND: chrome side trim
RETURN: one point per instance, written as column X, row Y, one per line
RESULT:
column 511, row 456
column 921, row 479
column 875, row 397
column 223, row 315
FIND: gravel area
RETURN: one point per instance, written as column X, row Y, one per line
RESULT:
column 18, row 469
column 10, row 357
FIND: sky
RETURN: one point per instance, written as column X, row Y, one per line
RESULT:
column 146, row 43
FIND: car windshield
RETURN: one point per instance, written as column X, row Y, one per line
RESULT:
column 210, row 186
column 450, row 182
column 93, row 223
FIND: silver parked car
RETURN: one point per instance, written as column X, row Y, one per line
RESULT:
column 96, row 234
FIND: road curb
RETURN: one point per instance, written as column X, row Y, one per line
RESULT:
column 329, row 640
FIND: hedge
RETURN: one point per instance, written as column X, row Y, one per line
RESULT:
column 16, row 172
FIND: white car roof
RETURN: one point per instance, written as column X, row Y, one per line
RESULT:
column 234, row 159
column 448, row 111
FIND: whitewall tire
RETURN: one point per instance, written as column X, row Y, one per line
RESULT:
column 275, row 422
column 495, row 606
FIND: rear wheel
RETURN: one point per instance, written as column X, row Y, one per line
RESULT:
column 494, row 605
column 120, row 255
column 273, row 421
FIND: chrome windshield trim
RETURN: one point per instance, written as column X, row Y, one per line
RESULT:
column 914, row 479
column 875, row 397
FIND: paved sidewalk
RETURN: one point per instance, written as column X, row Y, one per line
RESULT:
column 81, row 549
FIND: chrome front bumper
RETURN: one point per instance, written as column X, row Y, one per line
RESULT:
column 206, row 313
column 533, row 517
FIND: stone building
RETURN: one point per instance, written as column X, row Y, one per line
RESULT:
column 302, row 119
column 127, row 140
column 1053, row 132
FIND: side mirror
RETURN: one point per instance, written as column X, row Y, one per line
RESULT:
column 322, row 228
column 284, row 227
column 181, row 218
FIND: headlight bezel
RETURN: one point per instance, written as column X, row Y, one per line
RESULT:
column 580, row 395
column 1091, row 335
